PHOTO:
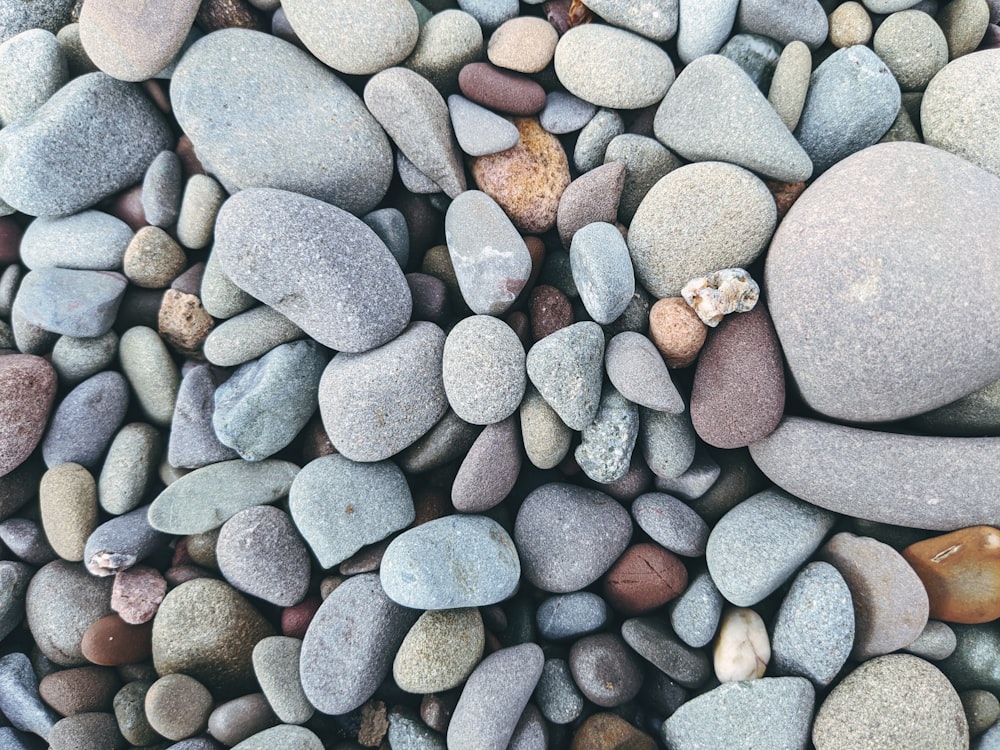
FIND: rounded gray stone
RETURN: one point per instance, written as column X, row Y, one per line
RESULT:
column 193, row 443
column 653, row 19
column 219, row 295
column 129, row 467
column 199, row 209
column 89, row 240
column 936, row 641
column 339, row 505
column 594, row 138
column 390, row 225
column 606, row 444
column 567, row 369
column 377, row 403
column 448, row 40
column 913, row 47
column 14, row 580
column 121, row 542
column 152, row 373
column 567, row 616
column 565, row 113
column 605, row 670
column 408, row 732
column 974, row 664
column 82, row 304
column 964, row 23
column 803, row 20
column 285, row 736
column 671, row 523
column 32, row 68
column 76, row 359
column 668, row 442
column 558, row 697
column 646, row 161
column 565, row 557
column 704, row 27
column 19, row 699
column 654, row 642
column 480, row 131
column 315, row 137
column 276, row 666
column 546, row 437
column 161, row 190
column 249, row 335
column 450, row 439
column 694, row 615
column 490, row 13
column 602, row 270
column 636, row 368
column 975, row 415
column 18, row 17
column 756, row 55
column 84, row 423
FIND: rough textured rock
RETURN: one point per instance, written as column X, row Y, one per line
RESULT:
column 27, row 390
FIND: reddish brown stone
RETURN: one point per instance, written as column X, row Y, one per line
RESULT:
column 610, row 732
column 785, row 194
column 137, row 593
column 677, row 331
column 10, row 240
column 190, row 164
column 156, row 91
column 81, row 690
column 374, row 724
column 179, row 574
column 111, row 641
column 184, row 324
column 295, row 619
column 27, row 389
column 549, row 310
column 502, row 90
column 961, row 572
column 645, row 577
column 127, row 206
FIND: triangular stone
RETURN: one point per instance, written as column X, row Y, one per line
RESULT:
column 480, row 131
column 567, row 368
column 714, row 112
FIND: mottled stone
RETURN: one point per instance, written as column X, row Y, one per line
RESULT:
column 602, row 270
column 567, row 369
column 483, row 370
column 27, row 390
column 440, row 651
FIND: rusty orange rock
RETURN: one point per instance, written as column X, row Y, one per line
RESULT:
column 961, row 572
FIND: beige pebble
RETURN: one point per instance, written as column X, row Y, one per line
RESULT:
column 177, row 706
column 67, row 495
column 525, row 44
column 718, row 294
column 850, row 24
column 203, row 197
column 153, row 259
column 677, row 331
column 742, row 649
column 184, row 323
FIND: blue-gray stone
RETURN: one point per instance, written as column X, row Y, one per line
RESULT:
column 704, row 27
column 975, row 662
column 32, row 68
column 75, row 303
column 668, row 441
column 671, row 523
column 594, row 139
column 12, row 739
column 804, row 20
column 694, row 615
column 84, row 423
column 408, row 732
column 92, row 138
column 757, row 56
column 451, row 562
column 571, row 615
column 636, row 368
column 14, row 579
column 567, row 368
column 653, row 641
column 193, row 442
column 564, row 113
column 89, row 240
column 480, row 131
column 936, row 642
column 490, row 13
column 558, row 697
column 122, row 542
column 339, row 505
column 602, row 270
column 606, row 444
column 390, row 226
column 696, row 481
column 161, row 190
column 19, row 699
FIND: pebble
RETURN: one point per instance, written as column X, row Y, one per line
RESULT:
column 677, row 331
column 177, row 706
column 558, row 697
column 111, row 642
column 44, row 171
column 668, row 442
column 602, row 270
column 568, row 557
column 27, row 391
column 451, row 562
column 151, row 372
column 490, row 13
column 603, row 730
column 283, row 736
column 205, row 629
column 641, row 77
column 193, row 443
column 207, row 497
column 26, row 540
column 236, row 720
column 893, row 475
column 14, row 579
column 607, row 443
column 756, row 55
column 704, row 27
column 389, row 32
column 152, row 259
column 605, row 670
column 655, row 643
column 964, row 22
column 161, row 190
column 720, row 293
column 440, row 651
column 743, row 220
column 694, row 615
column 416, row 118
column 770, row 712
column 912, row 46
column 671, row 523
column 478, row 130
column 90, row 730
column 549, row 309
column 742, row 650
column 937, row 641
column 803, row 20
column 524, row 45
column 449, row 40
column 89, row 240
column 790, row 82
column 892, row 701
column 546, row 437
column 959, row 571
column 75, row 303
column 646, row 161
column 760, row 543
column 898, row 258
column 377, row 403
column 129, row 468
column 644, row 578
column 34, row 68
column 592, row 143
column 430, row 297
column 956, row 113
column 653, row 19
column 137, row 593
column 349, row 646
column 19, row 700
column 323, row 143
column 565, row 113
column 249, row 335
column 220, row 296
column 592, row 197
column 981, row 710
column 84, row 423
column 276, row 666
column 48, row 16
column 567, row 368
column 363, row 301
column 489, row 470
column 890, row 603
column 974, row 663
column 713, row 112
column 408, row 732
column 447, row 441
column 570, row 615
column 501, row 90
column 68, row 504
column 637, row 370
column 850, row 24
column 79, row 690
column 975, row 415
column 528, row 180
column 339, row 506
column 699, row 478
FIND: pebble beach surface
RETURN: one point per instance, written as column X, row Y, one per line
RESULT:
column 500, row 375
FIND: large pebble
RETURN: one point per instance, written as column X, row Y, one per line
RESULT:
column 161, row 190
column 18, row 17
column 570, row 615
column 671, row 523
column 912, row 207
column 594, row 138
column 524, row 44
column 33, row 67
column 803, row 20
column 761, row 542
column 567, row 369
column 478, row 130
column 276, row 666
column 349, row 646
column 602, row 270
column 285, row 736
column 546, row 437
column 451, row 562
column 646, row 161
column 637, row 370
column 913, row 47
column 27, row 390
column 51, row 163
column 483, row 369
column 67, row 498
column 593, row 531
column 86, row 420
column 440, row 651
column 501, row 90
column 76, row 359
column 654, row 19
column 377, row 403
column 89, row 240
column 558, row 697
column 314, row 136
column 352, row 297
column 82, row 304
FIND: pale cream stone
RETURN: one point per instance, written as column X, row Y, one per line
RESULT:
column 742, row 648
column 720, row 293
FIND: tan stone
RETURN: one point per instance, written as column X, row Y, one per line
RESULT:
column 184, row 323
column 67, row 496
column 850, row 24
column 525, row 44
column 677, row 331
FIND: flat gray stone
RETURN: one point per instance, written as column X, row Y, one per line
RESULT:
column 490, row 13
column 193, row 442
column 84, row 423
column 121, row 542
column 704, row 27
column 203, row 197
column 694, row 615
column 668, row 442
column 82, row 304
column 567, row 616
column 352, row 297
column 567, row 369
column 916, row 214
column 654, row 642
column 802, row 20
column 249, row 335
column 715, row 112
column 219, row 295
column 671, row 523
column 32, row 68
column 975, row 415
column 594, row 139
column 480, row 131
column 448, row 440
column 408, row 732
column 89, row 240
column 636, row 368
column 315, row 137
column 565, row 113
column 286, row 736
column 602, row 270
column 49, row 165
column 888, row 6
column 483, row 369
column 698, row 479
column 606, row 444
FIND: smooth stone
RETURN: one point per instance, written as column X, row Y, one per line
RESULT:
column 199, row 208
column 33, row 67
column 803, row 20
column 490, row 13
column 982, row 709
column 694, row 615
column 964, row 23
column 285, row 736
column 605, row 730
column 668, row 442
column 699, row 478
column 478, row 130
column 566, row 616
column 653, row 19
column 850, row 24
column 525, row 44
column 853, row 99
column 888, row 6
column 491, row 260
column 84, row 423
column 276, row 666
column 341, row 155
column 483, row 370
column 51, row 16
column 654, row 642
column 207, row 497
column 249, row 335
column 671, row 523
column 937, row 641
column 151, row 372
column 703, row 27
column 594, row 138
column 451, row 562
column 449, row 440
column 975, row 415
column 566, row 557
column 489, row 470
column 592, row 197
column 27, row 391
column 565, row 113
column 389, row 31
column 79, row 690
column 89, row 240
column 501, row 90
column 742, row 650
column 813, row 632
column 602, row 270
column 161, row 190
column 67, row 499
column 761, row 542
column 790, row 83
column 640, row 78
column 205, row 629
column 349, row 646
column 62, row 601
column 449, row 40
column 607, row 443
column 695, row 245
column 899, row 269
column 644, row 578
column 48, row 166
column 220, row 296
column 893, row 478
column 82, row 304
column 646, row 161
column 558, row 697
column 715, row 112
column 390, row 225
column 178, row 706
column 974, row 663
column 193, row 443
column 408, row 732
column 153, row 259
column 546, row 437
column 260, row 553
column 236, row 720
column 111, row 642
column 756, row 55
column 637, row 370
column 19, row 699
column 770, row 712
column 956, row 112
column 605, row 670
column 14, row 580
column 430, row 297
column 137, row 593
column 26, row 540
column 892, row 701
column 88, row 730
column 340, row 506
column 567, row 369
column 912, row 46
column 677, row 331
column 494, row 697
column 363, row 301
column 890, row 602
column 440, row 651
column 377, row 403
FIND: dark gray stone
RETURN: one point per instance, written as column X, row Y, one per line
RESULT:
column 193, row 442
column 605, row 670
column 571, row 615
column 655, row 643
column 16, row 17
column 567, row 368
column 19, row 700
column 558, row 697
column 84, row 423
column 757, row 55
column 390, row 225
column 671, row 523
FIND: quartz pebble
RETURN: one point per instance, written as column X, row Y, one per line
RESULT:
column 742, row 650
column 721, row 293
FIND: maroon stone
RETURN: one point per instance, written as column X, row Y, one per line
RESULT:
column 549, row 310
column 295, row 619
column 10, row 240
column 501, row 90
column 645, row 577
column 27, row 389
column 111, row 641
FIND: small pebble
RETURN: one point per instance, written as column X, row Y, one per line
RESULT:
column 162, row 190
column 137, row 593
column 694, row 615
column 276, row 666
column 558, row 698
column 152, row 259
column 742, row 650
column 677, row 331
column 79, row 690
column 570, row 615
column 177, row 706
column 236, row 720
column 936, row 641
column 671, row 523
column 440, row 651
column 567, row 367
column 605, row 670
column 655, row 643
column 850, row 24
column 644, row 578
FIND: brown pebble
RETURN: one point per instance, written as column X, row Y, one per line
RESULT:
column 593, row 196
column 87, row 731
column 645, row 577
column 227, row 14
column 178, row 706
column 236, row 720
column 430, row 297
column 520, row 325
column 153, row 259
column 677, row 331
column 156, row 91
column 137, row 593
column 80, row 690
column 610, row 732
column 315, row 441
column 527, row 181
column 184, row 324
column 549, row 310
column 502, row 90
column 27, row 389
column 127, row 206
column 189, row 282
column 374, row 724
column 436, row 709
column 10, row 240
column 201, row 548
column 190, row 164
column 328, row 585
column 785, row 194
column 179, row 574
column 366, row 560
column 295, row 619
column 111, row 641
column 437, row 263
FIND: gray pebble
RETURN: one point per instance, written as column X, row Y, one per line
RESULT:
column 912, row 46
column 18, row 17
column 10, row 280
column 220, row 297
column 565, row 113
column 489, row 470
column 440, row 651
column 571, row 615
column 567, row 369
column 653, row 19
column 199, row 207
column 84, row 423
column 408, row 732
column 803, row 20
column 29, row 338
column 756, row 55
column 76, row 359
column 636, row 368
column 121, row 542
column 448, row 440
column 19, row 700
column 339, row 506
column 32, row 68
column 694, row 615
column 285, row 736
column 704, row 27
column 82, row 304
column 594, row 138
column 390, row 226
column 646, row 160
column 964, row 23
column 249, row 335
column 276, row 666
column 193, row 442
column 161, row 190
column 12, row 739
column 668, row 441
column 413, row 179
column 558, row 697
column 130, row 712
column 241, row 718
column 490, row 13
column 152, row 373
column 975, row 662
column 606, row 445
column 699, row 478
column 89, row 240
column 448, row 40
column 480, row 131
column 602, row 270
column 982, row 709
column 654, row 642
column 26, row 541
column 605, row 670
column 671, row 523
column 937, row 641
column 14, row 579
column 546, row 437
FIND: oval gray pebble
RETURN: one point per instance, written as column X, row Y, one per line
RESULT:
column 671, row 523
column 276, row 666
column 602, row 270
column 151, row 372
column 82, row 304
column 558, row 697
column 694, row 615
column 89, row 240
column 77, row 359
column 161, row 190
column 605, row 670
column 570, row 615
column 636, row 368
column 83, row 424
column 655, row 643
